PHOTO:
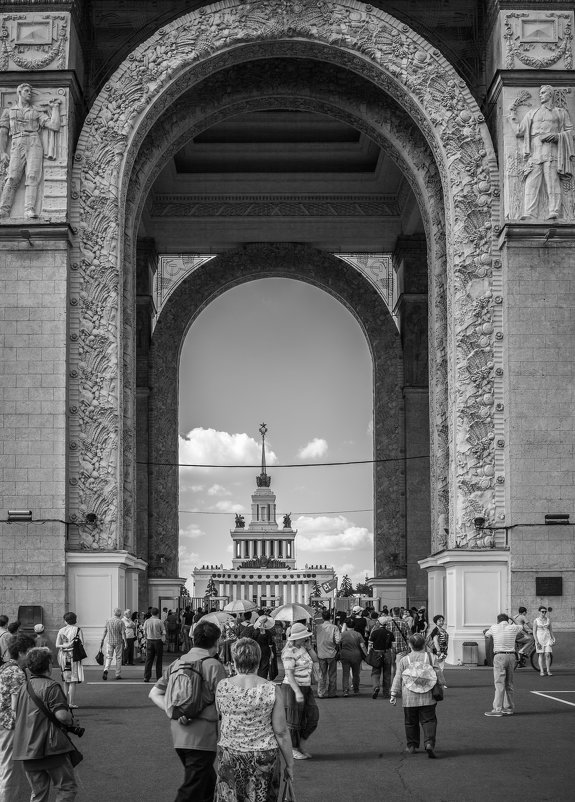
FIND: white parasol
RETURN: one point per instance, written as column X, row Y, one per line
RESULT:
column 240, row 606
column 291, row 612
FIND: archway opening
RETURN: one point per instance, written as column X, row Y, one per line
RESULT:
column 288, row 353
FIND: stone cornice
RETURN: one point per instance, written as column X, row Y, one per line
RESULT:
column 547, row 232
column 267, row 205
column 37, row 231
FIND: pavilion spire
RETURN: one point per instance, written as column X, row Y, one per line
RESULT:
column 263, row 480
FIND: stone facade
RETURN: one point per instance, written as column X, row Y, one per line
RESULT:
column 88, row 358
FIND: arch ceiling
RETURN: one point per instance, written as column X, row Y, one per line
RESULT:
column 112, row 173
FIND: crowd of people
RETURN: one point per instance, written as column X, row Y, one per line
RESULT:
column 254, row 724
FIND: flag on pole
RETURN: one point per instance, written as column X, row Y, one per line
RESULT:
column 331, row 584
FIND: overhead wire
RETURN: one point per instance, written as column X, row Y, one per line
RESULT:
column 287, row 465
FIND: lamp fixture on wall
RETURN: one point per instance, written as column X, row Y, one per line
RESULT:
column 19, row 515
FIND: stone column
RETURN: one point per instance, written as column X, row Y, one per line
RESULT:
column 410, row 259
column 35, row 275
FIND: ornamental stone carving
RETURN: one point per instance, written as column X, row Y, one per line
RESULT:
column 540, row 154
column 33, row 42
column 32, row 153
column 399, row 63
column 537, row 40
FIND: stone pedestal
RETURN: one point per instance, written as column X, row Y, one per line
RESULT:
column 392, row 592
column 470, row 587
column 165, row 591
column 97, row 583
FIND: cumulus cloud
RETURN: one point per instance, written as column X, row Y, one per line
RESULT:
column 331, row 533
column 356, row 574
column 210, row 447
column 218, row 490
column 227, row 506
column 314, row 449
column 191, row 531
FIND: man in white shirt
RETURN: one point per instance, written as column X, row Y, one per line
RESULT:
column 504, row 634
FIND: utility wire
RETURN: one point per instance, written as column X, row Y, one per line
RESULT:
column 278, row 514
column 287, row 465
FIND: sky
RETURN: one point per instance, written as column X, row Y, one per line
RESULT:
column 285, row 353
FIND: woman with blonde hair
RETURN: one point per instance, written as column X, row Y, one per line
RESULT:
column 253, row 731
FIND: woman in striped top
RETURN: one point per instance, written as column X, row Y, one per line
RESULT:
column 300, row 661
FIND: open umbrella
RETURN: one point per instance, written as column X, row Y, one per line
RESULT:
column 291, row 612
column 240, row 606
column 219, row 617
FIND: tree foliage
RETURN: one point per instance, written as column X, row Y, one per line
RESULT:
column 346, row 587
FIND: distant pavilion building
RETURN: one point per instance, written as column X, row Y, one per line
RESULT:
column 264, row 562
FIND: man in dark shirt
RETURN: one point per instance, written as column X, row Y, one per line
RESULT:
column 33, row 732
column 381, row 641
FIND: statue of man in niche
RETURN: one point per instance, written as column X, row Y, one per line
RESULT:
column 547, row 134
column 23, row 122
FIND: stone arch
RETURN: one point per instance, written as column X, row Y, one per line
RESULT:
column 396, row 60
column 195, row 293
column 359, row 104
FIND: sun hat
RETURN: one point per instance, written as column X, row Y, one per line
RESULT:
column 265, row 621
column 299, row 631
column 38, row 628
column 383, row 619
column 356, row 609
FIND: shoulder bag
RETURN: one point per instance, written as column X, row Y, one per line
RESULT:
column 78, row 651
column 75, row 755
column 374, row 658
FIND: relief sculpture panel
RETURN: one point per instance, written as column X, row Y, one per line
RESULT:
column 537, row 40
column 33, row 148
column 540, row 154
column 31, row 42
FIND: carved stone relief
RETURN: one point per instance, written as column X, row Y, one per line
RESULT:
column 531, row 191
column 33, row 153
column 360, row 39
column 537, row 40
column 172, row 270
column 32, row 42
column 258, row 206
column 378, row 270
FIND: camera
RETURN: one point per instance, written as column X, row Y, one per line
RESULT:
column 76, row 730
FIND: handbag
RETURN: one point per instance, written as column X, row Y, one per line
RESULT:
column 100, row 658
column 288, row 792
column 437, row 692
column 74, row 754
column 78, row 651
column 374, row 658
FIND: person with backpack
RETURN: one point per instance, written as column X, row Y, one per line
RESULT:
column 416, row 675
column 186, row 693
column 380, row 643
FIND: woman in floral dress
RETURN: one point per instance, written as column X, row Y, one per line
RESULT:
column 253, row 731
